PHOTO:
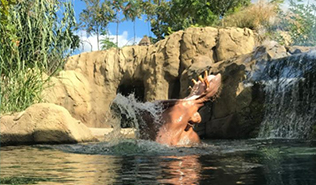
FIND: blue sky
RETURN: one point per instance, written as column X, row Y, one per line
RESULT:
column 126, row 33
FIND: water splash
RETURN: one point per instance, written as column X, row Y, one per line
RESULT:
column 129, row 111
column 290, row 90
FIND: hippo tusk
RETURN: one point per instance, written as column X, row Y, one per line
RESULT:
column 207, row 83
column 195, row 82
column 201, row 79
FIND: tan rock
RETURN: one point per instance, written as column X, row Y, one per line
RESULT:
column 198, row 42
column 144, row 42
column 233, row 42
column 43, row 123
column 156, row 72
column 198, row 66
column 269, row 50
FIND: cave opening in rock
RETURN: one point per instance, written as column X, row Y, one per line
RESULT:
column 136, row 86
column 174, row 89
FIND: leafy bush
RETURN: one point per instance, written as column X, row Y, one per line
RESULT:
column 36, row 36
column 300, row 22
column 174, row 15
column 294, row 25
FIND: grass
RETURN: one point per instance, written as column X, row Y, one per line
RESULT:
column 254, row 16
column 34, row 41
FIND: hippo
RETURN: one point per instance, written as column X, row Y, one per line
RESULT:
column 175, row 124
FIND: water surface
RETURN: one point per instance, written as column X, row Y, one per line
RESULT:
column 279, row 162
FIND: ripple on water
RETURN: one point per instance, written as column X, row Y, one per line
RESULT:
column 145, row 162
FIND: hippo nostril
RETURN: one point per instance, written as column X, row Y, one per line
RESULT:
column 196, row 118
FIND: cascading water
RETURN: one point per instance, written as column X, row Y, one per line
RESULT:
column 290, row 96
column 128, row 110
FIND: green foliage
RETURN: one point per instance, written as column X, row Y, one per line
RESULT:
column 132, row 9
column 106, row 43
column 169, row 16
column 295, row 25
column 157, row 13
column 300, row 23
column 36, row 36
column 96, row 16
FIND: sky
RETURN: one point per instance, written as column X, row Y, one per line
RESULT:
column 125, row 31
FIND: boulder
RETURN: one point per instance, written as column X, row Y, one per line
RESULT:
column 43, row 123
column 298, row 49
column 233, row 42
column 198, row 42
column 269, row 50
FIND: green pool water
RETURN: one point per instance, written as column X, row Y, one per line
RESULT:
column 223, row 162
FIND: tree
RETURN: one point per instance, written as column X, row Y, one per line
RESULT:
column 175, row 15
column 155, row 11
column 106, row 43
column 96, row 17
column 300, row 23
column 133, row 10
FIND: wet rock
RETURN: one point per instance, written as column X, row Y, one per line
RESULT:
column 238, row 110
column 269, row 50
column 298, row 49
column 43, row 123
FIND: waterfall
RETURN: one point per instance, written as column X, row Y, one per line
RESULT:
column 128, row 110
column 290, row 96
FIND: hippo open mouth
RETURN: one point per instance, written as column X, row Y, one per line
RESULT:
column 179, row 115
column 205, row 88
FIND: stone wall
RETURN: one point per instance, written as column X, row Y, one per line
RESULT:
column 164, row 70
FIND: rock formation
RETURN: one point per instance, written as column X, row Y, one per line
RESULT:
column 43, row 123
column 144, row 42
column 90, row 81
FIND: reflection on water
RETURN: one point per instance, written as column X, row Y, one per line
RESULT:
column 270, row 162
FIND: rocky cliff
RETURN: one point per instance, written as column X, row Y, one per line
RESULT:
column 90, row 81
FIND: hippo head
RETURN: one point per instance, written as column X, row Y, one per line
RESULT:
column 205, row 88
column 175, row 125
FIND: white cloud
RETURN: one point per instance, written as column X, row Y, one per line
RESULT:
column 89, row 43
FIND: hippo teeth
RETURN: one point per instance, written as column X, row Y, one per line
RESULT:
column 193, row 97
column 206, row 82
column 201, row 79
